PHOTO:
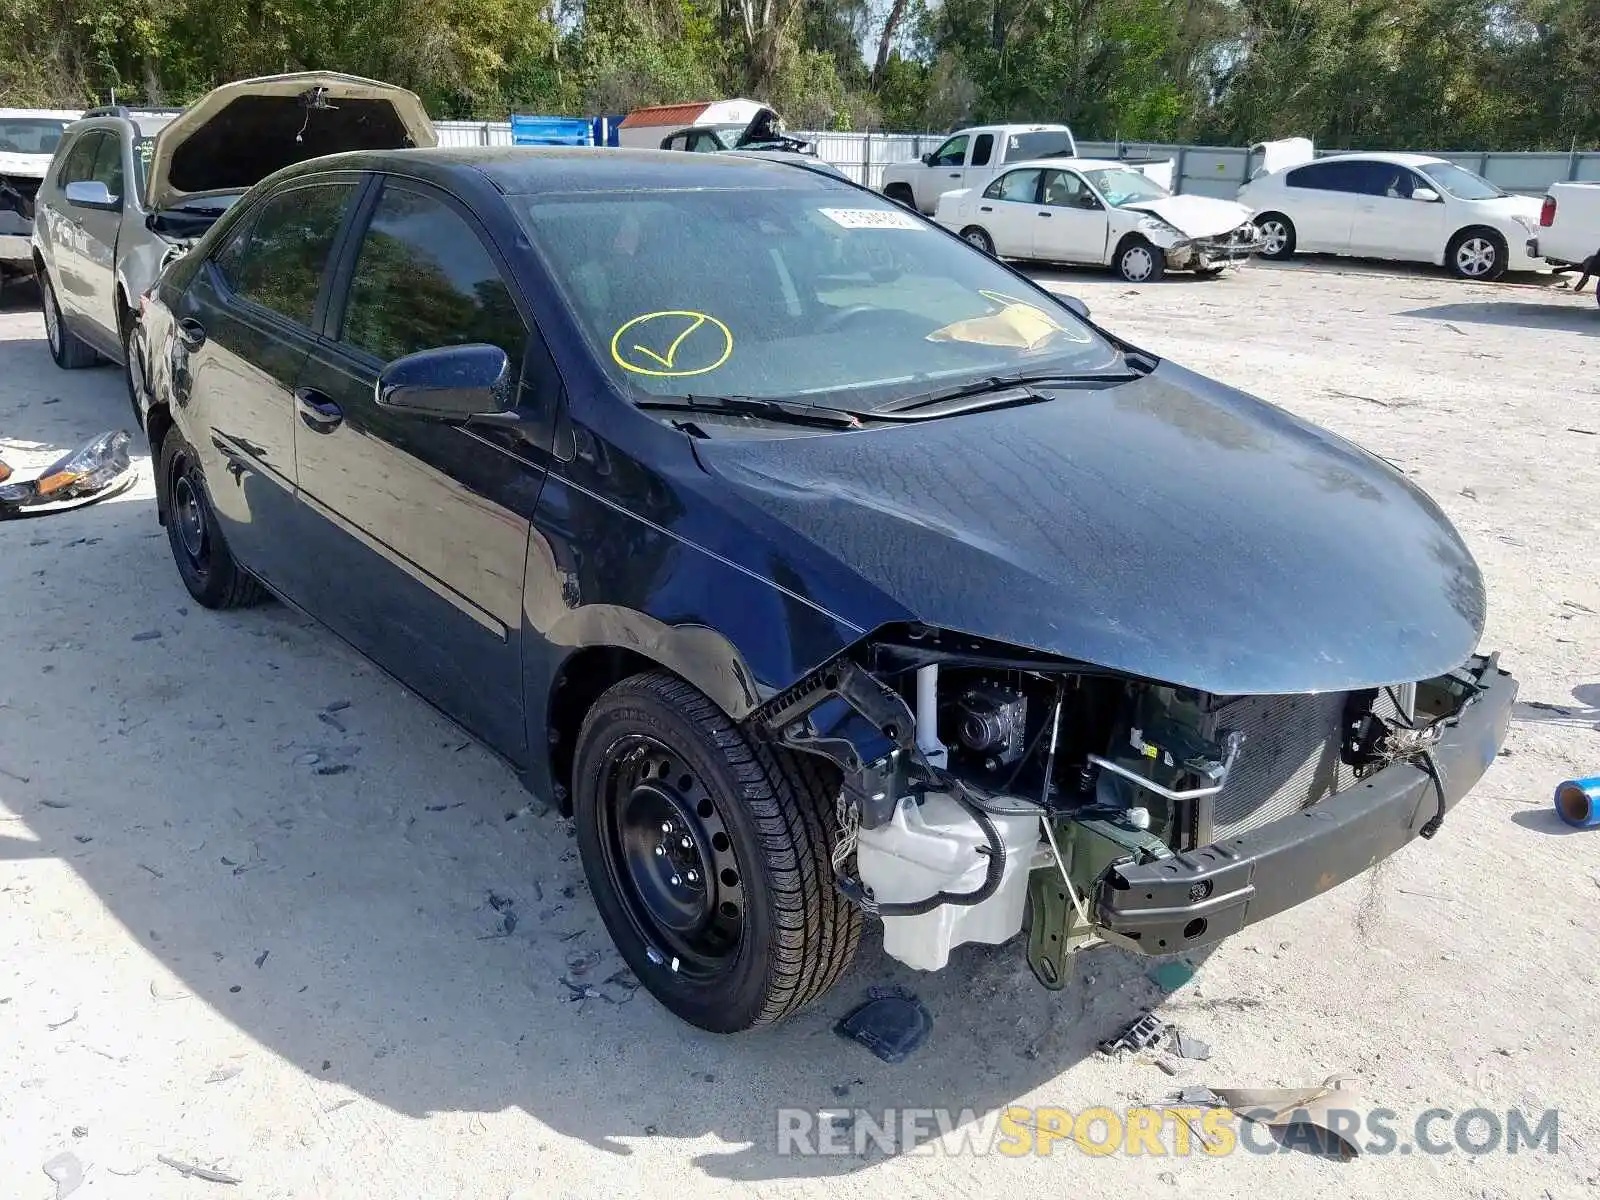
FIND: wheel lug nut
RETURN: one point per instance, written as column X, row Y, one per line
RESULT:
column 686, row 844
column 693, row 877
column 660, row 850
column 666, row 827
column 676, row 881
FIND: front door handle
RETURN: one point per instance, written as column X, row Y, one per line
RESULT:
column 955, row 174
column 191, row 333
column 985, row 208
column 317, row 410
column 1044, row 214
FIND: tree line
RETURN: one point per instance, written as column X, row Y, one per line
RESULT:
column 1456, row 74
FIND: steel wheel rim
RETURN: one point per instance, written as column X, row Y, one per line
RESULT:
column 1273, row 236
column 670, row 860
column 1137, row 264
column 52, row 319
column 979, row 239
column 1476, row 256
column 188, row 516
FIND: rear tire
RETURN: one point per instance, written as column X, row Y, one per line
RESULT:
column 978, row 237
column 901, row 193
column 709, row 856
column 204, row 562
column 1277, row 233
column 70, row 352
column 1140, row 262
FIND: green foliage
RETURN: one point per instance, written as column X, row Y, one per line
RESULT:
column 1506, row 74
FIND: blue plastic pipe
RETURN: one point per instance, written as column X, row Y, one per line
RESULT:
column 1578, row 802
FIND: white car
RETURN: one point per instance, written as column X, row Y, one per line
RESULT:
column 1102, row 213
column 1410, row 207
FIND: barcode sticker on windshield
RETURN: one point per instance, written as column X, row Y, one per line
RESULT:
column 871, row 218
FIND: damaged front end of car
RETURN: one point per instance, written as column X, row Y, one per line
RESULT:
column 988, row 789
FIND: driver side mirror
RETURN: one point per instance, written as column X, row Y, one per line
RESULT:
column 927, row 159
column 1088, row 200
column 1426, row 195
column 1078, row 307
column 91, row 193
column 452, row 383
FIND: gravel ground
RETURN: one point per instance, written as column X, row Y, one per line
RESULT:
column 253, row 898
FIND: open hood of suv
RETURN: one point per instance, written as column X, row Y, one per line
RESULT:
column 236, row 135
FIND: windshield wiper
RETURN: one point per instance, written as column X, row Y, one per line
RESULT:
column 758, row 406
column 1022, row 383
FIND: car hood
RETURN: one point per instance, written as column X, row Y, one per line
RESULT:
column 1196, row 216
column 1172, row 528
column 1511, row 206
column 236, row 135
column 24, row 166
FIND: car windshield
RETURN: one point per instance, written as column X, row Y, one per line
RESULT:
column 1122, row 185
column 1460, row 182
column 1055, row 143
column 825, row 295
column 30, row 135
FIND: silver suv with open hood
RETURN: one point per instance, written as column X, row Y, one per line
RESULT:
column 125, row 191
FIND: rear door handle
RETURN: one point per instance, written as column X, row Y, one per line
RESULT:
column 1044, row 214
column 191, row 333
column 317, row 410
column 955, row 174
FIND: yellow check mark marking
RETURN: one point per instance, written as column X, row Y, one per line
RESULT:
column 672, row 350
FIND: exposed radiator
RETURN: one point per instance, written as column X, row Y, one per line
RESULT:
column 1290, row 759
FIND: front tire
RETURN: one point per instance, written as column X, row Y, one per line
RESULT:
column 1277, row 236
column 901, row 193
column 70, row 352
column 708, row 855
column 979, row 238
column 1477, row 254
column 199, row 550
column 1140, row 262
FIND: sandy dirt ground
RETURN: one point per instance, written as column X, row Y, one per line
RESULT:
column 252, row 893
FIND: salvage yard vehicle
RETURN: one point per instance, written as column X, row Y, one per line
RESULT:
column 972, row 158
column 1406, row 207
column 763, row 134
column 1569, row 229
column 1103, row 213
column 28, row 139
column 128, row 190
column 837, row 572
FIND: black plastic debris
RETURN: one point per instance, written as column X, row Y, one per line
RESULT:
column 1144, row 1033
column 892, row 1026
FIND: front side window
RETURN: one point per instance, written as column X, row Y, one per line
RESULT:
column 1020, row 187
column 1066, row 189
column 107, row 167
column 277, row 257
column 1460, row 182
column 78, row 166
column 818, row 294
column 423, row 280
column 952, row 154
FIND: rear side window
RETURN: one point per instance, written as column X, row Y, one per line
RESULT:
column 982, row 149
column 1339, row 175
column 422, row 280
column 1020, row 186
column 276, row 259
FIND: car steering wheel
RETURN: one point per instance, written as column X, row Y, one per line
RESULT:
column 833, row 321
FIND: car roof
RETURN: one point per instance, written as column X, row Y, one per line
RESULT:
column 1081, row 164
column 1381, row 156
column 524, row 170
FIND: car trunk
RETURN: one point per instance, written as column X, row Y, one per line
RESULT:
column 236, row 135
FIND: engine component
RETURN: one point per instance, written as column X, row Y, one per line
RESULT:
column 937, row 846
column 991, row 720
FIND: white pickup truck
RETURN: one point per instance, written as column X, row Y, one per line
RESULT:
column 971, row 158
column 1569, row 229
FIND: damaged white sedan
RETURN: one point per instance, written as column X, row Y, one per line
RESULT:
column 1103, row 213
